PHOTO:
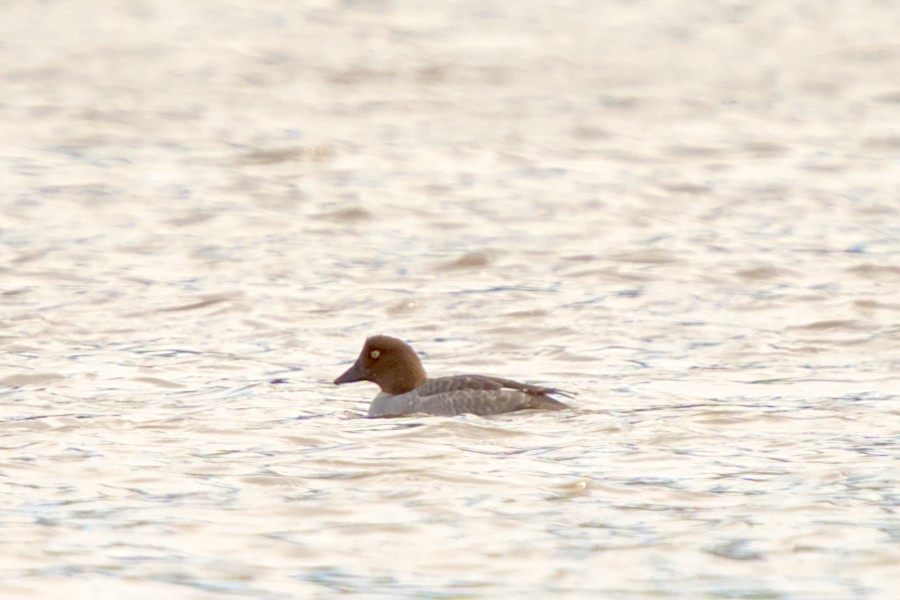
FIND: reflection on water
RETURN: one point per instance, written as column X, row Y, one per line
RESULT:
column 688, row 215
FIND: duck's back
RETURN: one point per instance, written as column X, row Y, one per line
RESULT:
column 461, row 394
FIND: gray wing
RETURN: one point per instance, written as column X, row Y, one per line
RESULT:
column 495, row 383
column 475, row 394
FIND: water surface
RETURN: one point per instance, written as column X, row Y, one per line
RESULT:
column 687, row 213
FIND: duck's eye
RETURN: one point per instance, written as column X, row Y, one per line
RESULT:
column 375, row 353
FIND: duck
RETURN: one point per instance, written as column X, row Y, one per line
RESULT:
column 395, row 368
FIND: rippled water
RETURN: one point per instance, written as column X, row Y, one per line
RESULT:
column 685, row 212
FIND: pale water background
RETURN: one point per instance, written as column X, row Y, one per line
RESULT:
column 687, row 212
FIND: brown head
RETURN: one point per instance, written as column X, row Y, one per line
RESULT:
column 388, row 362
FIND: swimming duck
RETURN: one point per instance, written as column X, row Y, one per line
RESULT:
column 405, row 389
